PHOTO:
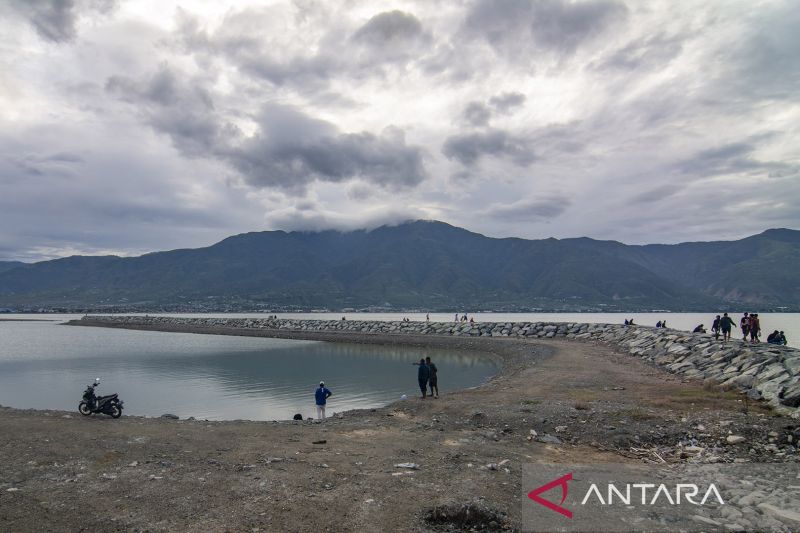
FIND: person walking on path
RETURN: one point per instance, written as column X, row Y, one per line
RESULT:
column 725, row 325
column 321, row 395
column 423, row 375
column 744, row 323
column 715, row 327
column 432, row 379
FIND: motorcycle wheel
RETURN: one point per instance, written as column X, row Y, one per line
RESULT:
column 116, row 411
column 83, row 409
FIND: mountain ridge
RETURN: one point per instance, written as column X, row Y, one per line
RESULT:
column 420, row 264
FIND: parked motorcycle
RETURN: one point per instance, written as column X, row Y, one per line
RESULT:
column 109, row 405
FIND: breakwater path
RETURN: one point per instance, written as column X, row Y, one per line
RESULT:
column 763, row 371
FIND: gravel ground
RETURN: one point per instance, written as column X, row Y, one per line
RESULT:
column 563, row 401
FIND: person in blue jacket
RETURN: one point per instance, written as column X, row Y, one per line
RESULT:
column 423, row 375
column 321, row 395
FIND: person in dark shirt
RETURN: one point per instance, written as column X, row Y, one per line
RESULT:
column 725, row 325
column 782, row 339
column 755, row 327
column 321, row 396
column 715, row 327
column 432, row 380
column 423, row 375
column 699, row 329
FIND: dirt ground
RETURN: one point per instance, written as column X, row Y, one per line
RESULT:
column 63, row 472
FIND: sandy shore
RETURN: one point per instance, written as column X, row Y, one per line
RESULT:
column 60, row 471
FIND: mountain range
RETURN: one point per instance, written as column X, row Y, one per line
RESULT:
column 422, row 265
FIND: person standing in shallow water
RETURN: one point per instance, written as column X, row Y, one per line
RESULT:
column 423, row 375
column 321, row 396
column 432, row 379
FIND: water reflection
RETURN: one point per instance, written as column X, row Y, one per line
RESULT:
column 44, row 365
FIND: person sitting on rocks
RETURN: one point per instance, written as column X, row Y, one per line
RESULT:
column 699, row 329
column 782, row 339
column 774, row 337
column 658, row 324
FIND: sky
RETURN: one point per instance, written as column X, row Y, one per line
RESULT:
column 133, row 126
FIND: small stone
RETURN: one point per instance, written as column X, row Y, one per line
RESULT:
column 561, row 429
column 704, row 520
column 12, row 489
column 734, row 439
column 693, row 450
column 785, row 515
column 549, row 439
column 133, row 464
column 410, row 466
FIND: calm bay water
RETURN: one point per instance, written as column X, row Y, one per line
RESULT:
column 44, row 365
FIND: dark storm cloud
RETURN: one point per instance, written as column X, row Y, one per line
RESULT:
column 476, row 114
column 389, row 27
column 479, row 114
column 38, row 165
column 55, row 20
column 656, row 194
column 544, row 208
column 308, row 72
column 289, row 150
column 469, row 148
column 731, row 158
column 292, row 149
column 388, row 39
column 176, row 107
column 557, row 25
column 506, row 102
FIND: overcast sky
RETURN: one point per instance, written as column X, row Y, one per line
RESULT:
column 133, row 126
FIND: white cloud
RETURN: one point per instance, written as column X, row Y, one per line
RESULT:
column 641, row 122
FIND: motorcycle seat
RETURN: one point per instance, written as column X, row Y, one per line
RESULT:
column 107, row 397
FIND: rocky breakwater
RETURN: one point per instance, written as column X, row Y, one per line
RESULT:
column 762, row 371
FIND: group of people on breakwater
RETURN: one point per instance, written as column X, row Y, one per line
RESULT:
column 750, row 325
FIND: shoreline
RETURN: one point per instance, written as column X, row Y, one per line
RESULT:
column 554, row 401
column 762, row 371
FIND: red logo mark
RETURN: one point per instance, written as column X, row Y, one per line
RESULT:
column 562, row 481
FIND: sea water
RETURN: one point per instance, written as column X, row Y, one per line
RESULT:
column 45, row 365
